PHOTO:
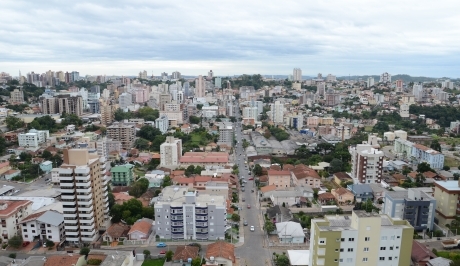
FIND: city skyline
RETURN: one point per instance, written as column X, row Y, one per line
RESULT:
column 123, row 38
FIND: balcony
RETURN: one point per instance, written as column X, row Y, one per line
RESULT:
column 201, row 232
column 177, row 236
column 177, row 224
column 70, row 215
column 201, row 212
column 201, row 218
column 68, row 227
column 72, row 233
column 84, row 190
column 72, row 239
column 177, row 232
column 177, row 211
column 86, row 215
column 66, row 178
column 88, row 209
column 85, row 197
column 177, row 218
column 87, row 227
column 201, row 225
column 87, row 239
column 67, row 190
column 83, row 184
column 87, row 220
column 69, row 209
column 83, row 178
column 68, row 197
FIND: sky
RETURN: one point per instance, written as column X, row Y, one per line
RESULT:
column 339, row 37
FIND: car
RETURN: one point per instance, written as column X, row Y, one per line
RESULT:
column 249, row 206
column 251, row 178
column 243, row 199
column 245, row 223
column 242, row 189
column 244, row 181
column 252, row 228
column 252, row 190
column 162, row 252
column 161, row 245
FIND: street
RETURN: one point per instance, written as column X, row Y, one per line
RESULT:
column 252, row 253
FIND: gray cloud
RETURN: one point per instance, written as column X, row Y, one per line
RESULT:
column 341, row 37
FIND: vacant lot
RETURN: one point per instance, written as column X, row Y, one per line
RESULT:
column 451, row 162
column 156, row 262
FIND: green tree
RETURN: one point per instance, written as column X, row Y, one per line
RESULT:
column 257, row 170
column 12, row 255
column 84, row 251
column 235, row 217
column 15, row 241
column 335, row 166
column 25, row 157
column 424, row 167
column 146, row 253
column 49, row 243
column 269, row 226
column 190, row 170
column 435, row 145
column 282, row 260
column 2, row 145
column 148, row 113
column 142, row 144
column 169, row 255
column 194, row 120
column 47, row 155
column 13, row 123
column 167, row 181
column 148, row 132
column 199, row 106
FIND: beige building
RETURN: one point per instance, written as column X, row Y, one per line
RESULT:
column 281, row 179
column 125, row 133
column 171, row 152
column 62, row 104
column 447, row 198
column 343, row 196
column 326, row 121
column 11, row 212
column 360, row 239
column 84, row 195
column 107, row 113
column 17, row 96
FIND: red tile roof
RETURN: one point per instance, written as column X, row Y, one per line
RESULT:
column 277, row 172
column 221, row 249
column 141, row 226
column 185, row 252
column 12, row 206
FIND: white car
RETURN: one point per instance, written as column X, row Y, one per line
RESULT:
column 252, row 228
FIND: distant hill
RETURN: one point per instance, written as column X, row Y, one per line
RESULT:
column 406, row 78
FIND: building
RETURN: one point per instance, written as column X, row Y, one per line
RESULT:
column 446, row 194
column 385, row 77
column 141, row 230
column 186, row 214
column 404, row 111
column 107, row 113
column 200, row 87
column 46, row 225
column 125, row 133
column 297, row 74
column 281, row 179
column 226, row 133
column 64, row 103
column 143, row 74
column 370, row 82
column 220, row 253
column 360, row 239
column 122, row 175
column 84, row 195
column 218, row 83
column 277, row 110
column 290, row 232
column 399, row 85
column 171, row 152
column 33, row 138
column 414, row 205
column 320, row 88
column 332, row 98
column 343, row 196
column 162, row 123
column 125, row 100
column 12, row 211
column 367, row 163
column 251, row 113
column 418, row 153
column 17, row 96
column 204, row 159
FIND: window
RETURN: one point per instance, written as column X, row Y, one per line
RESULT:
column 349, row 260
column 335, row 260
column 383, row 248
column 364, row 259
column 48, row 225
column 341, row 250
column 49, row 231
column 366, row 249
column 382, row 258
column 49, row 237
column 390, row 258
column 398, row 237
column 26, row 236
column 342, row 239
column 384, row 238
column 33, row 231
column 350, row 249
column 24, row 230
column 351, row 239
column 340, row 260
column 397, row 247
column 367, row 238
column 392, row 237
column 32, row 225
column 391, row 248
column 336, row 250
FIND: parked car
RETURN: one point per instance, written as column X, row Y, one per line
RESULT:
column 252, row 228
column 251, row 178
column 245, row 223
column 249, row 206
column 163, row 252
column 243, row 199
column 25, row 243
column 161, row 245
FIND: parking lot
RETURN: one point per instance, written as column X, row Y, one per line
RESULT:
column 38, row 184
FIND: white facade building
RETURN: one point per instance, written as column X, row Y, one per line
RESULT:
column 367, row 164
column 33, row 138
column 170, row 152
column 125, row 100
column 162, row 123
column 385, row 77
column 277, row 110
column 46, row 225
column 297, row 74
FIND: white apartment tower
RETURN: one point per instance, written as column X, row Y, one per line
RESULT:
column 404, row 111
column 321, row 88
column 125, row 100
column 170, row 152
column 367, row 162
column 297, row 74
column 277, row 110
column 199, row 87
column 370, row 82
column 84, row 195
column 418, row 92
column 385, row 77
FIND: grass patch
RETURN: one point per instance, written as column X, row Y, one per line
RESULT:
column 368, row 128
column 451, row 162
column 155, row 262
column 452, row 255
column 138, row 172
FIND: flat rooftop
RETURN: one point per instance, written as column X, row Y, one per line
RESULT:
column 450, row 185
column 175, row 196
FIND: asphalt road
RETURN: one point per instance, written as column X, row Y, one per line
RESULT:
column 252, row 253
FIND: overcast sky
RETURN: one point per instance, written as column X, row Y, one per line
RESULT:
column 341, row 37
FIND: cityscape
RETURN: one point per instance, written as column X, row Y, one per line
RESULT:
column 230, row 133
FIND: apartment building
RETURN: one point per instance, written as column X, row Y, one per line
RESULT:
column 183, row 213
column 360, row 239
column 367, row 163
column 171, row 152
column 125, row 100
column 281, row 179
column 446, row 194
column 11, row 212
column 62, row 104
column 297, row 74
column 107, row 113
column 414, row 205
column 162, row 123
column 277, row 110
column 225, row 133
column 251, row 112
column 122, row 175
column 33, row 138
column 385, row 77
column 125, row 133
column 200, row 87
column 45, row 225
column 84, row 195
column 418, row 153
column 17, row 96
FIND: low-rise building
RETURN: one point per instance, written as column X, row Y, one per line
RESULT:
column 343, row 196
column 141, row 230
column 362, row 192
column 46, row 225
column 446, row 194
column 204, row 159
column 220, row 253
column 122, row 175
column 115, row 231
column 33, row 138
column 11, row 212
column 290, row 232
column 281, row 179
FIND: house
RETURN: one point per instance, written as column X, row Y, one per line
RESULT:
column 141, row 230
column 10, row 212
column 378, row 191
column 121, row 197
column 289, row 196
column 290, row 232
column 278, row 214
column 420, row 254
column 343, row 196
column 115, row 231
column 46, row 166
column 303, row 175
column 439, row 261
column 445, row 175
column 400, row 178
column 220, row 253
column 299, row 257
column 185, row 252
column 362, row 192
column 43, row 225
column 10, row 174
column 61, row 260
column 4, row 167
column 341, row 177
column 325, row 198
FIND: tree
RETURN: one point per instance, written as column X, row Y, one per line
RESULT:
column 199, row 106
column 167, row 181
column 148, row 132
column 47, row 155
column 15, row 241
column 49, row 243
column 324, row 148
column 25, row 157
column 84, row 251
column 142, row 144
column 235, row 217
column 169, row 255
column 281, row 260
column 198, row 262
column 435, row 145
column 257, row 170
column 269, row 226
column 12, row 255
column 424, row 167
column 190, row 170
column 335, row 166
column 446, row 168
column 13, row 123
column 146, row 253
column 2, row 145
column 194, row 119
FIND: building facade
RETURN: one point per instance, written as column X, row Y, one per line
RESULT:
column 171, row 151
column 447, row 198
column 33, row 138
column 11, row 212
column 367, row 164
column 46, row 225
column 125, row 133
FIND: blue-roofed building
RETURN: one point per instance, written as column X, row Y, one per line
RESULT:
column 362, row 192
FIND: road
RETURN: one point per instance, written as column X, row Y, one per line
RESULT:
column 252, row 253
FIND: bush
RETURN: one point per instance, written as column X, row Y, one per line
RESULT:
column 435, row 251
column 15, row 241
column 49, row 243
column 94, row 262
column 147, row 253
column 12, row 255
column 169, row 255
column 84, row 251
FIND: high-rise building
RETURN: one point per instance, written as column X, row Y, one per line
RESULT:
column 170, row 152
column 176, row 75
column 360, row 239
column 277, row 110
column 218, row 82
column 17, row 96
column 447, row 84
column 125, row 133
column 107, row 113
column 125, row 100
column 186, row 89
column 210, row 75
column 162, row 123
column 447, row 195
column 404, row 111
column 321, row 88
column 225, row 133
column 185, row 214
column 84, row 195
column 251, row 113
column 74, row 76
column 367, row 162
column 199, row 87
column 143, row 74
column 399, row 85
column 418, row 92
column 60, row 75
column 297, row 74
column 385, row 77
column 164, row 76
column 331, row 78
column 165, row 98
column 62, row 104
column 370, row 82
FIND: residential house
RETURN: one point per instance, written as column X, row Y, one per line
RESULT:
column 290, row 232
column 278, row 214
column 302, row 175
column 378, row 191
column 400, row 178
column 281, row 179
column 343, row 196
column 10, row 174
column 288, row 196
column 342, row 177
column 325, row 198
column 115, row 231
column 59, row 260
column 362, row 192
column 439, row 261
column 121, row 197
column 183, row 253
column 141, row 230
column 46, row 225
column 220, row 253
column 4, row 167
column 10, row 212
column 420, row 254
